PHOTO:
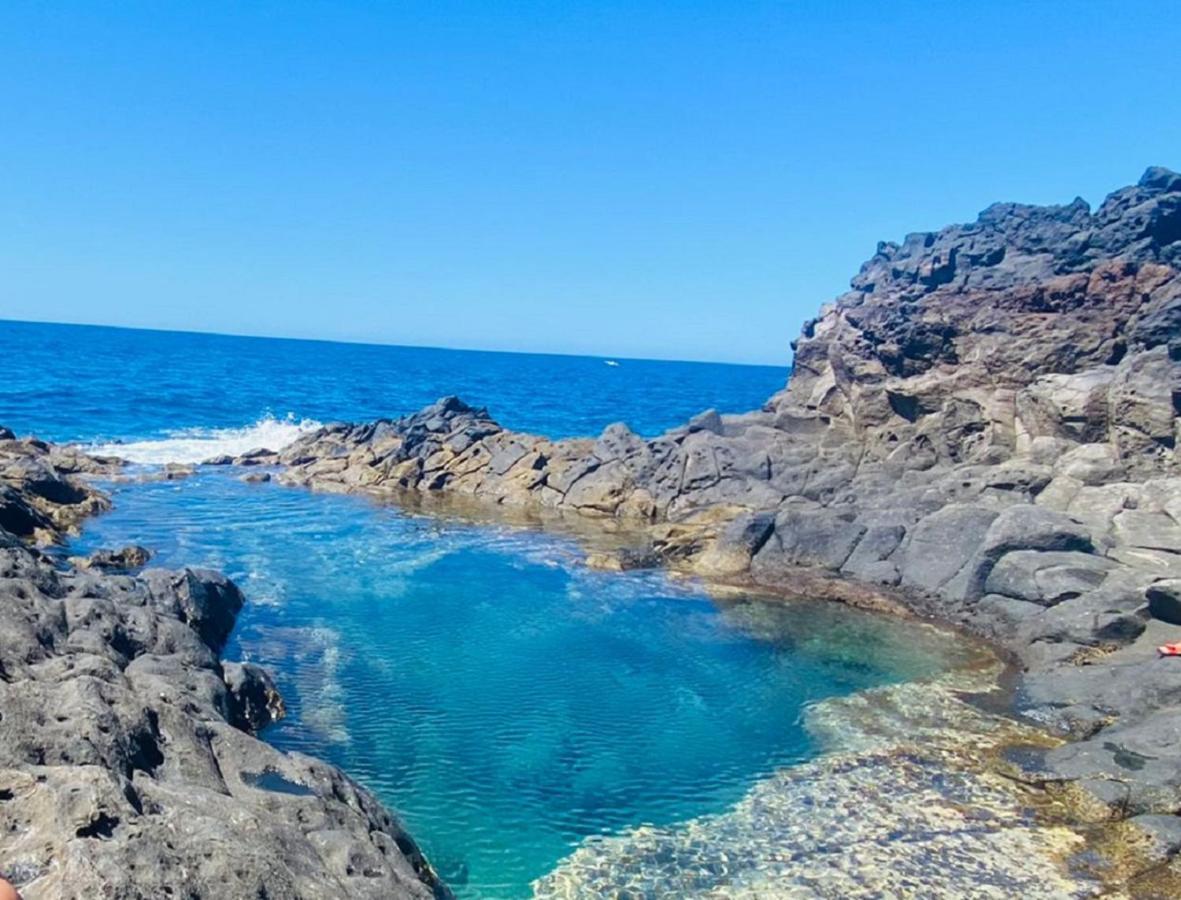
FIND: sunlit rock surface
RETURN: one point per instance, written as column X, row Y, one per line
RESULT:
column 984, row 429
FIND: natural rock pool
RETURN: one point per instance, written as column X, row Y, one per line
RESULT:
column 505, row 700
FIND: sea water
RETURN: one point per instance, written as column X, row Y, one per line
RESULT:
column 505, row 700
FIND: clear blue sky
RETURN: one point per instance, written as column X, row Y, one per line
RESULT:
column 682, row 180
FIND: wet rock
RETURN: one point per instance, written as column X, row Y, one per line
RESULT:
column 203, row 599
column 255, row 702
column 258, row 457
column 1164, row 831
column 123, row 560
column 1140, row 758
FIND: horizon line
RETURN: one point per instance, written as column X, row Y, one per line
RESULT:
column 371, row 343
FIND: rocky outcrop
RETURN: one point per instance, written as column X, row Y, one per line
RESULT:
column 128, row 762
column 984, row 428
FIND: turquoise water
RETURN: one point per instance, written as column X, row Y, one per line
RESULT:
column 507, row 701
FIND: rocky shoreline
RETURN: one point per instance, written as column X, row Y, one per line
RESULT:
column 128, row 762
column 983, row 430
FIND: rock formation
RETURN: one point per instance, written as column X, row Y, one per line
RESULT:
column 128, row 765
column 984, row 428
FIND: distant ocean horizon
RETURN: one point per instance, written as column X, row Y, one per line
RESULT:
column 99, row 384
column 391, row 343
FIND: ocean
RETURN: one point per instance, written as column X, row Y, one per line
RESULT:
column 505, row 700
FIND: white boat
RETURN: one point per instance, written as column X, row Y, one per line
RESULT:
column 610, row 362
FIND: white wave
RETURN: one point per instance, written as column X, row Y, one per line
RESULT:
column 194, row 445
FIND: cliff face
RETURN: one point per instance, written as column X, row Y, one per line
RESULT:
column 128, row 763
column 1032, row 327
column 984, row 428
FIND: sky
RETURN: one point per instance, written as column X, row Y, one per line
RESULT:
column 676, row 180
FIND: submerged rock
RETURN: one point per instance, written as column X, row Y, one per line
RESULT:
column 914, row 799
column 983, row 429
column 122, row 560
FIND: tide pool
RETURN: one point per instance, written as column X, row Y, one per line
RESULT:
column 506, row 701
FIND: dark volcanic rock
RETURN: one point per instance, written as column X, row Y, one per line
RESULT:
column 987, row 420
column 123, row 560
column 1164, row 601
column 127, row 767
column 255, row 702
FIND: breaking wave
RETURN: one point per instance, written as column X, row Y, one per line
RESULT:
column 194, row 445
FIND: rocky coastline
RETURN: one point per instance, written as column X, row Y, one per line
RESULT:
column 129, row 766
column 983, row 431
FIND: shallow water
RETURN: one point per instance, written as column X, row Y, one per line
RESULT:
column 507, row 701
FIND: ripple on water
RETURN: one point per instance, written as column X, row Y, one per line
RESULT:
column 905, row 809
column 507, row 702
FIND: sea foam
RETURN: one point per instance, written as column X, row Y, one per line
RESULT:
column 194, row 445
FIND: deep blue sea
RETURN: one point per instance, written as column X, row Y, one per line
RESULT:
column 504, row 699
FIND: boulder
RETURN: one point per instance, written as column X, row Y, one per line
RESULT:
column 941, row 544
column 737, row 544
column 255, row 702
column 1046, row 577
column 1164, row 600
column 1146, row 528
column 817, row 537
column 123, row 560
column 867, row 560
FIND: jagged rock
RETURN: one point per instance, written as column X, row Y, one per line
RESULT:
column 988, row 420
column 123, row 769
column 706, row 421
column 122, row 560
column 255, row 702
column 204, row 600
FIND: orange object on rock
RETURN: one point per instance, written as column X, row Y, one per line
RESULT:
column 1173, row 649
column 7, row 891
